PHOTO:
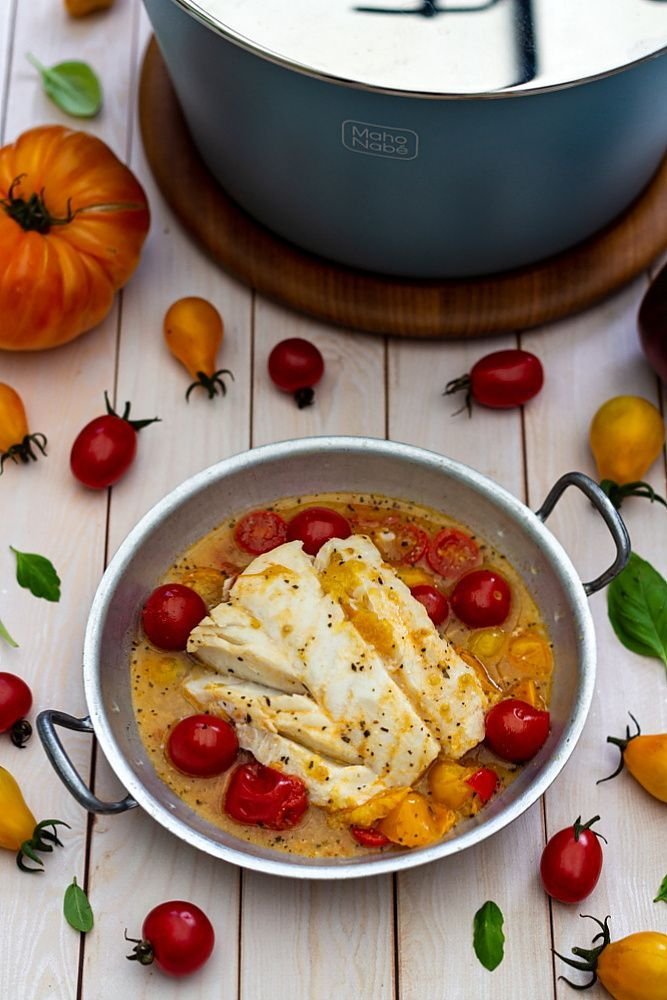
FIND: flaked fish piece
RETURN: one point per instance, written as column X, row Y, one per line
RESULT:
column 342, row 673
column 295, row 716
column 443, row 689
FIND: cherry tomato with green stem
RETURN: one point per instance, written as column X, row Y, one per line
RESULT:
column 15, row 703
column 177, row 936
column 105, row 448
column 572, row 861
column 500, row 380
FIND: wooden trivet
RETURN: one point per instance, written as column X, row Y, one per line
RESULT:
column 332, row 293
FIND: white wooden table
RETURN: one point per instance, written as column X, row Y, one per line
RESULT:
column 408, row 937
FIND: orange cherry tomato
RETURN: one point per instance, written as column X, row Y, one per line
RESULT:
column 73, row 220
column 193, row 331
column 16, row 441
column 415, row 823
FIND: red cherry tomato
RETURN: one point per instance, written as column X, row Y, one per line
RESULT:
column 260, row 531
column 571, row 862
column 451, row 553
column 435, row 602
column 170, row 614
column 296, row 365
column 177, row 936
column 515, row 730
column 481, row 599
column 316, row 525
column 202, row 745
column 262, row 796
column 368, row 836
column 105, row 448
column 483, row 782
column 15, row 703
column 501, row 379
column 397, row 541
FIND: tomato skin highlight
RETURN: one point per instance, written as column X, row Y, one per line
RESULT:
column 481, row 598
column 369, row 836
column 180, row 936
column 316, row 525
column 202, row 746
column 451, row 553
column 260, row 531
column 170, row 614
column 103, row 451
column 15, row 700
column 504, row 379
column 435, row 602
column 263, row 796
column 516, row 731
column 571, row 863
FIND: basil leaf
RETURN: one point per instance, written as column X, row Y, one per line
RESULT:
column 488, row 938
column 37, row 575
column 72, row 85
column 662, row 892
column 78, row 911
column 637, row 608
column 4, row 634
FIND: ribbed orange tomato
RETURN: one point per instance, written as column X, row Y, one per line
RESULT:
column 73, row 220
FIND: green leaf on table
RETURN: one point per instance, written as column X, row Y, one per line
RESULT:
column 4, row 634
column 662, row 892
column 78, row 911
column 72, row 85
column 637, row 608
column 488, row 938
column 37, row 575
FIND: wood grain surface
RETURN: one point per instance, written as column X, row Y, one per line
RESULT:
column 333, row 293
column 403, row 938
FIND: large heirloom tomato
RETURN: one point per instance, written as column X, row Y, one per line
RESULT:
column 73, row 220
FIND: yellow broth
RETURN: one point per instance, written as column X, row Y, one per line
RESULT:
column 505, row 658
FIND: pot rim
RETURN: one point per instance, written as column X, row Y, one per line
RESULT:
column 193, row 8
column 529, row 522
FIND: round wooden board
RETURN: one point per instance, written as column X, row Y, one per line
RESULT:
column 332, row 293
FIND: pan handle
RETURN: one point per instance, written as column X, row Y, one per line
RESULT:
column 610, row 515
column 63, row 766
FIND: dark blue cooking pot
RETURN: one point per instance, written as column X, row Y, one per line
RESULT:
column 418, row 139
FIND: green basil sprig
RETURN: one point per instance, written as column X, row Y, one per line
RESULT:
column 4, row 634
column 78, row 911
column 37, row 574
column 662, row 892
column 72, row 85
column 488, row 938
column 637, row 608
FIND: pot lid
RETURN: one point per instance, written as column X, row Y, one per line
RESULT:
column 448, row 48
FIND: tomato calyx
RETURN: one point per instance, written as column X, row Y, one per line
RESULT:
column 43, row 839
column 617, row 492
column 621, row 743
column 211, row 383
column 125, row 415
column 458, row 385
column 23, row 450
column 20, row 733
column 143, row 951
column 578, row 828
column 590, row 956
column 32, row 214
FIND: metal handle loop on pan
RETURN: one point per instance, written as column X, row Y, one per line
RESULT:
column 63, row 766
column 609, row 514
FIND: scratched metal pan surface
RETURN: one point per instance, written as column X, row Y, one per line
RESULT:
column 327, row 464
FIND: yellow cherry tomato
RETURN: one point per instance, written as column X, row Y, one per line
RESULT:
column 16, row 441
column 530, row 654
column 18, row 829
column 447, row 783
column 645, row 758
column 207, row 581
column 626, row 436
column 526, row 690
column 632, row 968
column 193, row 331
column 487, row 643
column 413, row 576
column 374, row 809
column 415, row 823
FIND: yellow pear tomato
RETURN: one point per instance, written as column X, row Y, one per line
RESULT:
column 193, row 332
column 16, row 441
column 645, row 758
column 626, row 436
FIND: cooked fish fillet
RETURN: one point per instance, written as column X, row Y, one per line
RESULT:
column 318, row 652
column 444, row 690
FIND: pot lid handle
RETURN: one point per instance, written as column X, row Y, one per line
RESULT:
column 63, row 766
column 609, row 514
